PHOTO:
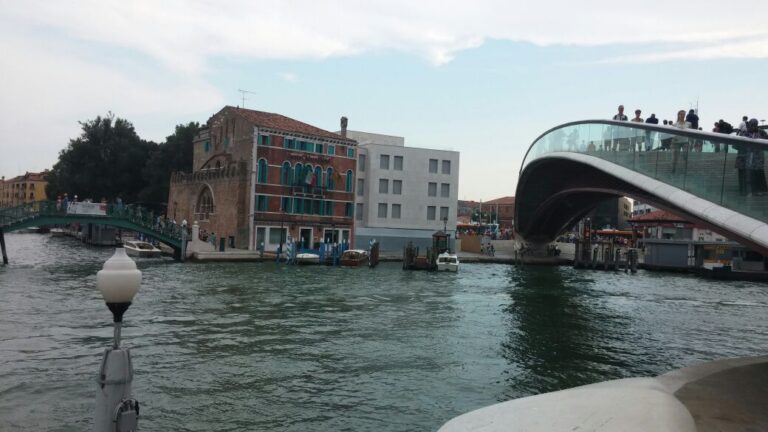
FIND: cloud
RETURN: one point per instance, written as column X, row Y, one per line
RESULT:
column 754, row 48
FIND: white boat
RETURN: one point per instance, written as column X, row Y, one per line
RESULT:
column 58, row 232
column 141, row 249
column 307, row 258
column 447, row 262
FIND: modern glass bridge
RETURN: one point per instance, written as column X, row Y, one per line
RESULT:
column 715, row 179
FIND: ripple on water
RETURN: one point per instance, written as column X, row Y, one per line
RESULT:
column 267, row 347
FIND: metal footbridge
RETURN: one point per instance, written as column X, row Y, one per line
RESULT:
column 713, row 179
column 129, row 217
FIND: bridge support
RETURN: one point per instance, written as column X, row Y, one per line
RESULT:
column 2, row 247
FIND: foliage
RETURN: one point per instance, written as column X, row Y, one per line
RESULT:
column 110, row 160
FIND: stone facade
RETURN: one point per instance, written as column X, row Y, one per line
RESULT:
column 261, row 177
column 23, row 189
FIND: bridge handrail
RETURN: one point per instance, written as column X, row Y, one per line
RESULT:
column 722, row 169
column 675, row 130
column 132, row 213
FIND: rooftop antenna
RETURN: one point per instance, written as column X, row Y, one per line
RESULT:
column 243, row 92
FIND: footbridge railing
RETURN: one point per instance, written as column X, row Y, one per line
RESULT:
column 727, row 170
column 131, row 217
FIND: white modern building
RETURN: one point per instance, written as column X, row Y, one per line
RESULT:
column 403, row 193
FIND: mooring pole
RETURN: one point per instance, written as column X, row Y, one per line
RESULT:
column 2, row 247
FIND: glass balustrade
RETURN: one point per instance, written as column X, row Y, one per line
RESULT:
column 723, row 169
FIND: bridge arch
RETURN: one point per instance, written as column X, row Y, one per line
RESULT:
column 691, row 173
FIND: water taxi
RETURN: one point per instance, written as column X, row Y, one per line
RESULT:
column 447, row 261
column 354, row 258
column 141, row 249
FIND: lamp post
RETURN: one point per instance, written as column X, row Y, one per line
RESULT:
column 116, row 410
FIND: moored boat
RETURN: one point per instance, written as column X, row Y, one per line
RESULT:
column 354, row 258
column 58, row 232
column 141, row 249
column 307, row 258
column 447, row 261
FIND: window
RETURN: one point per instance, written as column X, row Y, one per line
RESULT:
column 285, row 204
column 382, row 210
column 359, row 211
column 348, row 209
column 395, row 211
column 298, row 205
column 443, row 213
column 205, row 205
column 331, row 150
column 285, row 173
column 446, row 167
column 226, row 143
column 430, row 212
column 329, row 178
column 317, row 180
column 319, row 148
column 289, row 143
column 433, row 165
column 264, row 140
column 383, row 186
column 298, row 170
column 262, row 173
column 384, row 162
column 277, row 235
column 398, row 163
column 360, row 184
column 350, row 152
column 361, row 162
column 397, row 187
column 329, row 208
column 432, row 189
column 445, row 190
column 262, row 202
column 207, row 146
column 348, row 184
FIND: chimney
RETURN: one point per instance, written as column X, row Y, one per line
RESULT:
column 344, row 127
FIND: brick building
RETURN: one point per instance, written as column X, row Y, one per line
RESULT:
column 260, row 177
column 23, row 189
column 504, row 209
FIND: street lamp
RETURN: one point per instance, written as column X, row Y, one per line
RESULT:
column 118, row 281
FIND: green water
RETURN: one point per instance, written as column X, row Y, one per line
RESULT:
column 234, row 347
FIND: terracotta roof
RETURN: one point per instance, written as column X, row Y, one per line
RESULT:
column 502, row 201
column 658, row 216
column 286, row 124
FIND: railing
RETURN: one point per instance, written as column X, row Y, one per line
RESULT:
column 724, row 169
column 137, row 215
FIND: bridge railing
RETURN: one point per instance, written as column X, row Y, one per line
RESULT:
column 135, row 214
column 723, row 169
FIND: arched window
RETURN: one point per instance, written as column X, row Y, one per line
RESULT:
column 318, row 178
column 329, row 178
column 218, row 164
column 205, row 205
column 298, row 170
column 306, row 175
column 285, row 173
column 348, row 185
column 262, row 172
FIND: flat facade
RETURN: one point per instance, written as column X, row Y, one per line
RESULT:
column 403, row 193
column 260, row 179
column 23, row 189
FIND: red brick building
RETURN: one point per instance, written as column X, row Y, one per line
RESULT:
column 260, row 177
column 504, row 209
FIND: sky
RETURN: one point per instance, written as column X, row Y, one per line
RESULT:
column 484, row 78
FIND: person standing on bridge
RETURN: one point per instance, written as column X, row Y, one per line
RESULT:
column 679, row 143
column 636, row 137
column 650, row 136
column 620, row 116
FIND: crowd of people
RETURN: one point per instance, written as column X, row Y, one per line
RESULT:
column 749, row 161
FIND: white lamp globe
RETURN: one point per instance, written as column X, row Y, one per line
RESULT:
column 120, row 280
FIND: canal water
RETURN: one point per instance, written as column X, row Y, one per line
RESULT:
column 234, row 347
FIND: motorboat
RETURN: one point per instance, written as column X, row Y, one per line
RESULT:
column 354, row 258
column 58, row 232
column 141, row 249
column 447, row 261
column 307, row 258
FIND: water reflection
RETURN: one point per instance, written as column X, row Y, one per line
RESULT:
column 559, row 335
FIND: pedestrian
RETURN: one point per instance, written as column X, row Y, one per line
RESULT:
column 620, row 116
column 679, row 143
column 213, row 239
column 636, row 139
column 755, row 160
column 693, row 119
column 665, row 122
column 650, row 135
column 743, row 125
column 652, row 119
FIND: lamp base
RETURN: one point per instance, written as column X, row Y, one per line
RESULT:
column 118, row 309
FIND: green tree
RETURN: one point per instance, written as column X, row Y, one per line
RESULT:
column 175, row 154
column 105, row 161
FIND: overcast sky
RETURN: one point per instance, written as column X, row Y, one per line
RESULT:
column 481, row 77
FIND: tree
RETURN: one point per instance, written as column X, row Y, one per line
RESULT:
column 175, row 154
column 105, row 161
